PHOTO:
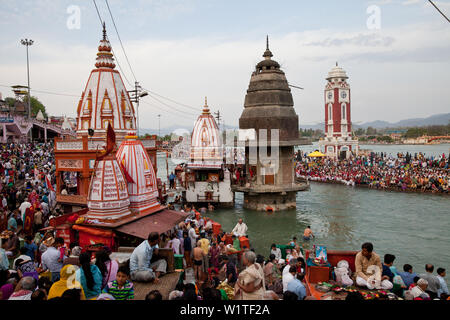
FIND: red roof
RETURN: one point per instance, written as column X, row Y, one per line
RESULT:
column 160, row 222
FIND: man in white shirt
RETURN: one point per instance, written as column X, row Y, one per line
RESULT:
column 192, row 234
column 288, row 277
column 276, row 251
column 419, row 290
column 291, row 263
column 174, row 243
column 23, row 208
column 240, row 229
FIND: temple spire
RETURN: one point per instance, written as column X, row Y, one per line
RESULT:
column 267, row 54
column 104, row 58
column 104, row 31
column 205, row 107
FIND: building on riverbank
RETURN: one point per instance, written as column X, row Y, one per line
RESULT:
column 339, row 141
column 104, row 101
column 207, row 179
column 270, row 120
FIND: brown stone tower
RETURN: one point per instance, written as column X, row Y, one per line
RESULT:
column 269, row 105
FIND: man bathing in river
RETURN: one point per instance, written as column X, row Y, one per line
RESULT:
column 307, row 234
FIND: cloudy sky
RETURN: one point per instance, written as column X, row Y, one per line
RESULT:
column 396, row 53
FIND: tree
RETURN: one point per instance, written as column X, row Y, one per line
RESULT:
column 36, row 105
column 359, row 132
column 371, row 131
column 10, row 101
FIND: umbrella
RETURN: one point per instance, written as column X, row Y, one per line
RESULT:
column 316, row 154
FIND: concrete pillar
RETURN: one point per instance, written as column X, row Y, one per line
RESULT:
column 45, row 133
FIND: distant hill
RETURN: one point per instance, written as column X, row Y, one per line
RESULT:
column 437, row 119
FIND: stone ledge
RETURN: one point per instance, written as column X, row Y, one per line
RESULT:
column 271, row 188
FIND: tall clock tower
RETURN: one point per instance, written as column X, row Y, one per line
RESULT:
column 338, row 140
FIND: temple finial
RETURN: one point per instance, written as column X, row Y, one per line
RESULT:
column 205, row 107
column 104, row 31
column 267, row 54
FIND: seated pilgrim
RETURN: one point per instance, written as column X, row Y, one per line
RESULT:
column 141, row 267
column 369, row 269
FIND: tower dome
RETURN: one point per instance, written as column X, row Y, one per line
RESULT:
column 206, row 143
column 143, row 190
column 108, row 199
column 337, row 72
column 268, row 103
column 105, row 98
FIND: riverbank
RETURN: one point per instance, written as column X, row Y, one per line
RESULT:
column 365, row 186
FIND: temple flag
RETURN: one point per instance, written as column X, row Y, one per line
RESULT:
column 126, row 174
column 49, row 184
column 110, row 143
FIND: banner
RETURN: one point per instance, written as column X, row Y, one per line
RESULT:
column 48, row 183
column 29, row 221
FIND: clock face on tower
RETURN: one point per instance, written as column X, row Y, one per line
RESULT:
column 330, row 95
column 343, row 94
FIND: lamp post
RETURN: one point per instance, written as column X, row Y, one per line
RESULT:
column 27, row 43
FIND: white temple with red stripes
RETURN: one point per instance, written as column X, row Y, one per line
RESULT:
column 142, row 187
column 207, row 178
column 115, row 199
column 105, row 98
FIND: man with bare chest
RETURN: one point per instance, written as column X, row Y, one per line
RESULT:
column 198, row 254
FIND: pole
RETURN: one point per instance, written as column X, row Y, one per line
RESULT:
column 159, row 126
column 28, row 76
column 137, row 107
column 27, row 43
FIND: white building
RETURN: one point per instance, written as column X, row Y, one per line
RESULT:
column 206, row 179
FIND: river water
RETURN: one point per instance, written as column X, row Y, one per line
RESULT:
column 414, row 227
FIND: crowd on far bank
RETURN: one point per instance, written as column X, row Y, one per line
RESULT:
column 406, row 172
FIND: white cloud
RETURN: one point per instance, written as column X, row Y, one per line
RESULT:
column 409, row 2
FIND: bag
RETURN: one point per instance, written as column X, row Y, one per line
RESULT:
column 342, row 277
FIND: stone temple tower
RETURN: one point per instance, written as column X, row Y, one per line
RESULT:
column 269, row 105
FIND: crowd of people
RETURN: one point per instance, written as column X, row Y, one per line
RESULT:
column 236, row 272
column 405, row 172
column 36, row 264
column 216, row 266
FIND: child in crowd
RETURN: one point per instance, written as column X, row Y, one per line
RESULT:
column 121, row 288
column 62, row 249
